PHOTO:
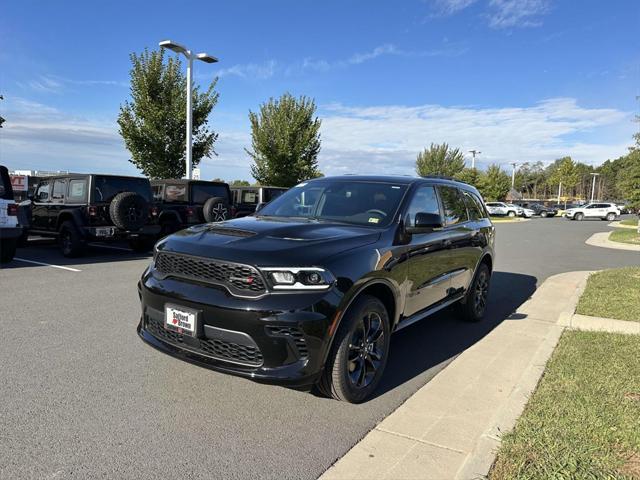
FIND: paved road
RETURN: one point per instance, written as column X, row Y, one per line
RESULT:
column 82, row 397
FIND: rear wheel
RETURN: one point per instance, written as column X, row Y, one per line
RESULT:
column 70, row 241
column 579, row 216
column 359, row 353
column 474, row 305
column 543, row 214
column 7, row 249
column 611, row 216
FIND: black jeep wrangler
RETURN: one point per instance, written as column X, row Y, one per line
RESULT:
column 248, row 200
column 190, row 202
column 79, row 208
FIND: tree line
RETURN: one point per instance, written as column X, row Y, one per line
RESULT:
column 285, row 143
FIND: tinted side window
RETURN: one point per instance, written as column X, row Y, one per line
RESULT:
column 424, row 201
column 157, row 191
column 455, row 210
column 175, row 193
column 249, row 196
column 77, row 191
column 42, row 193
column 201, row 193
column 474, row 207
column 59, row 187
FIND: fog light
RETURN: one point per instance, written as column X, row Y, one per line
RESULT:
column 314, row 278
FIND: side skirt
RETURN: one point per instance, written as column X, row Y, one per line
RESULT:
column 428, row 311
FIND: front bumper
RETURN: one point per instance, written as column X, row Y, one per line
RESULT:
column 277, row 338
column 8, row 233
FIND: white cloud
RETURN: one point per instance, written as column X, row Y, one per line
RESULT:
column 449, row 7
column 517, row 13
column 387, row 138
column 251, row 70
column 57, row 84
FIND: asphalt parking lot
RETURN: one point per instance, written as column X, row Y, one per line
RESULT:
column 83, row 397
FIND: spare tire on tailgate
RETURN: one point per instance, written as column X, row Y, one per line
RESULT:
column 215, row 209
column 129, row 211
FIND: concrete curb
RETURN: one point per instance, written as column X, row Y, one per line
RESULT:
column 601, row 239
column 600, row 324
column 617, row 224
column 451, row 427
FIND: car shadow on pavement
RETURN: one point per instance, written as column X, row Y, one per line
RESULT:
column 440, row 338
column 46, row 250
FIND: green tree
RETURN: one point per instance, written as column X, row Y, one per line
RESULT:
column 240, row 183
column 440, row 160
column 565, row 171
column 285, row 141
column 153, row 122
column 218, row 179
column 494, row 183
column 629, row 179
column 469, row 175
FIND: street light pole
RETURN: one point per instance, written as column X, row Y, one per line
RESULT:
column 593, row 187
column 513, row 175
column 473, row 160
column 176, row 47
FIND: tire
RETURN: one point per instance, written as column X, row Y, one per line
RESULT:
column 346, row 376
column 543, row 214
column 142, row 244
column 578, row 216
column 215, row 209
column 511, row 214
column 474, row 305
column 7, row 249
column 610, row 217
column 70, row 241
column 129, row 211
column 23, row 240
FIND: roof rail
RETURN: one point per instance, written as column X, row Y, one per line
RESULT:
column 443, row 177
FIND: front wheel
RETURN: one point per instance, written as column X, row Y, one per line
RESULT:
column 359, row 353
column 7, row 249
column 474, row 304
column 543, row 214
column 511, row 214
column 578, row 216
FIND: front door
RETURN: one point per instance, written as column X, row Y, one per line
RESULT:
column 40, row 206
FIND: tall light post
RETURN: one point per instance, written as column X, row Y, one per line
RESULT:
column 513, row 174
column 205, row 57
column 593, row 187
column 473, row 160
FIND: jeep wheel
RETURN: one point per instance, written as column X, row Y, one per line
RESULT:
column 142, row 244
column 359, row 353
column 167, row 227
column 611, row 216
column 7, row 249
column 511, row 213
column 215, row 209
column 474, row 304
column 71, row 244
column 129, row 211
column 579, row 216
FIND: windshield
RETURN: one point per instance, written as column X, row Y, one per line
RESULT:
column 359, row 203
column 106, row 187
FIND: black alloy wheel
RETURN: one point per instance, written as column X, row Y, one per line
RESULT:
column 359, row 352
column 474, row 305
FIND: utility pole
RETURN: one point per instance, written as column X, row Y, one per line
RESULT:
column 473, row 160
column 593, row 187
column 513, row 174
column 559, row 192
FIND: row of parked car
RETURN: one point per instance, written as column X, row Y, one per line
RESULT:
column 602, row 210
column 80, row 208
column 525, row 209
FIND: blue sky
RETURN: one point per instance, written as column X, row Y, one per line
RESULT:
column 520, row 80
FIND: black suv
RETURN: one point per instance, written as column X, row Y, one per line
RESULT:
column 540, row 209
column 79, row 208
column 308, row 290
column 190, row 202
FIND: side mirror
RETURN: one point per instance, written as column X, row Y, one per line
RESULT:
column 425, row 222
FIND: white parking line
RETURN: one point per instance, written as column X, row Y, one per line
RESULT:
column 110, row 246
column 47, row 264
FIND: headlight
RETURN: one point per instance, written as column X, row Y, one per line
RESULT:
column 298, row 278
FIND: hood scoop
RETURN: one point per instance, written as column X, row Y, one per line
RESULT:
column 232, row 232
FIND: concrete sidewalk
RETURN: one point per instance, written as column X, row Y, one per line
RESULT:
column 451, row 427
column 601, row 239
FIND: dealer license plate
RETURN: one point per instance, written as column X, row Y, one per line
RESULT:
column 180, row 319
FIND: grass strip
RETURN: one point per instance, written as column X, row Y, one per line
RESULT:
column 612, row 294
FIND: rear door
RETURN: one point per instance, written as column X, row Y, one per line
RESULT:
column 40, row 205
column 58, row 196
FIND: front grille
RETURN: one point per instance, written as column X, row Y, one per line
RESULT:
column 241, row 279
column 212, row 347
column 295, row 334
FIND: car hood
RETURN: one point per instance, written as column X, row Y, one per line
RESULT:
column 269, row 242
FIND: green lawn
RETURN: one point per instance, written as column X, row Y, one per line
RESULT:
column 625, row 235
column 583, row 420
column 612, row 294
column 630, row 221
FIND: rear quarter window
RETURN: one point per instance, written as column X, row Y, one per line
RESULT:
column 77, row 191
